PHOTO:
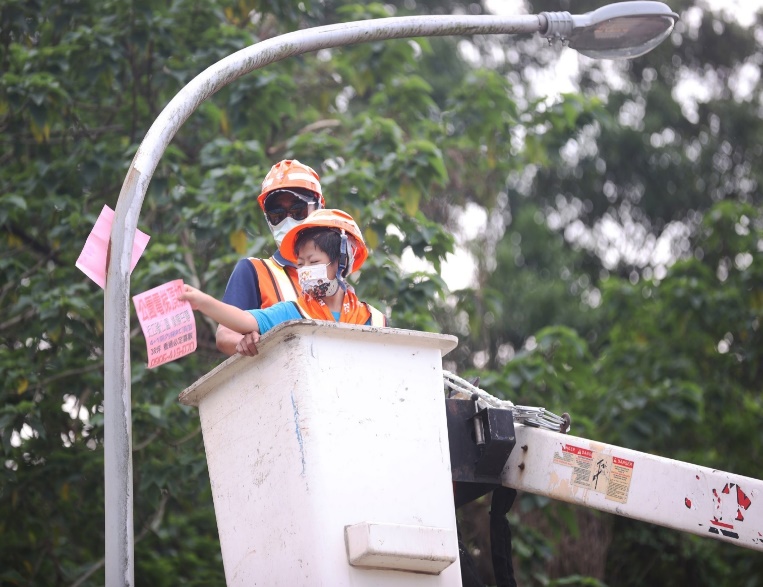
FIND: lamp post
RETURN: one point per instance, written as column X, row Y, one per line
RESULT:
column 623, row 30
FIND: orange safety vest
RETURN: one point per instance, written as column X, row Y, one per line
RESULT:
column 276, row 283
column 353, row 310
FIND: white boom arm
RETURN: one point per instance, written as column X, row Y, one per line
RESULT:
column 670, row 493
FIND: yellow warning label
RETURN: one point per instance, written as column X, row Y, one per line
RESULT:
column 598, row 472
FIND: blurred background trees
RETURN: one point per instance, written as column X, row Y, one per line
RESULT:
column 608, row 241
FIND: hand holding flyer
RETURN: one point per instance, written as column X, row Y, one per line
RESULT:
column 167, row 323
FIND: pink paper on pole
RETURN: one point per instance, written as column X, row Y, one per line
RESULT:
column 167, row 323
column 92, row 259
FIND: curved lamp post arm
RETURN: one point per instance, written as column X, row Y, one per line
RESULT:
column 117, row 379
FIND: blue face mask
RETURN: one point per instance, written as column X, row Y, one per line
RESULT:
column 279, row 232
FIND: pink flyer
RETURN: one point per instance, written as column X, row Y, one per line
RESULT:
column 92, row 259
column 167, row 323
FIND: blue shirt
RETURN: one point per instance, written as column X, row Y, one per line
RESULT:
column 243, row 289
column 271, row 317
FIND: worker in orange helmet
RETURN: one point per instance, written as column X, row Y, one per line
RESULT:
column 327, row 247
column 290, row 191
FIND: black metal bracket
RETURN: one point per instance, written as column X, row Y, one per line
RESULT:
column 480, row 443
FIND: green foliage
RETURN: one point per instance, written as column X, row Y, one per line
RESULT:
column 674, row 358
column 405, row 135
column 80, row 86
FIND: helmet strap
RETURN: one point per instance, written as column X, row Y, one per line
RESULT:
column 343, row 259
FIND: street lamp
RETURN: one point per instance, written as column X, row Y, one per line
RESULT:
column 627, row 29
column 617, row 31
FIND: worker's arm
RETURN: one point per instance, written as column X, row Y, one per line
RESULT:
column 243, row 292
column 229, row 316
column 231, row 342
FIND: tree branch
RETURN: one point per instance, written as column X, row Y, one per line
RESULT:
column 147, row 441
column 185, row 438
column 60, row 137
column 69, row 372
column 195, row 281
column 32, row 243
column 19, row 318
column 152, row 524
column 312, row 127
column 14, row 283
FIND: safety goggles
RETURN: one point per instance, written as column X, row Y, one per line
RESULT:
column 298, row 211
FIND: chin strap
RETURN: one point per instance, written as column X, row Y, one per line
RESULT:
column 343, row 261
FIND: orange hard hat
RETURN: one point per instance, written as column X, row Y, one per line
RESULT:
column 290, row 173
column 336, row 219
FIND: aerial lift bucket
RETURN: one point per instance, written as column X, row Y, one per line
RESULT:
column 332, row 462
column 328, row 458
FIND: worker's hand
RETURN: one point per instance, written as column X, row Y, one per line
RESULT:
column 248, row 344
column 192, row 295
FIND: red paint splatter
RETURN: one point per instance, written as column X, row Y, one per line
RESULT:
column 743, row 503
column 716, row 522
column 687, row 502
column 742, row 499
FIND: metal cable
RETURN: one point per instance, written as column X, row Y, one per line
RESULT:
column 528, row 415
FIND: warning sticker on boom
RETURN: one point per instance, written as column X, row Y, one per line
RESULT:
column 598, row 472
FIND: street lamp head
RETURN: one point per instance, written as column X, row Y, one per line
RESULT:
column 616, row 31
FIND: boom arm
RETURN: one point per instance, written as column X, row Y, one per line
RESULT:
column 670, row 493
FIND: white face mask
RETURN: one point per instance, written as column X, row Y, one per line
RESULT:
column 279, row 231
column 315, row 282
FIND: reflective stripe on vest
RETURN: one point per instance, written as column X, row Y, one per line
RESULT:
column 302, row 313
column 377, row 318
column 276, row 283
